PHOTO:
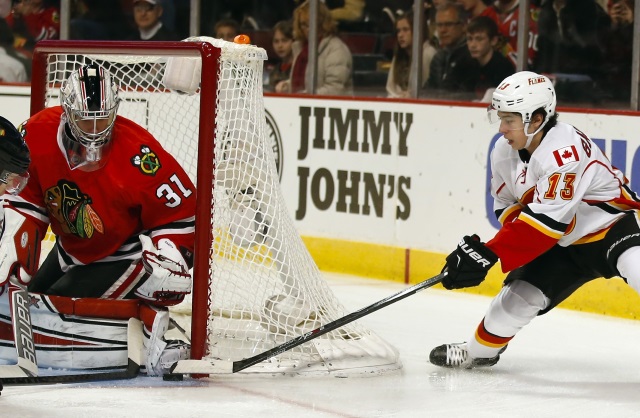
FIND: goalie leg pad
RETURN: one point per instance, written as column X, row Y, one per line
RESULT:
column 159, row 354
column 65, row 340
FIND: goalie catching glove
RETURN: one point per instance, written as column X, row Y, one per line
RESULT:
column 169, row 279
column 468, row 264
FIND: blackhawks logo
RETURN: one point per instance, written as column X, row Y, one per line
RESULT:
column 72, row 209
column 148, row 162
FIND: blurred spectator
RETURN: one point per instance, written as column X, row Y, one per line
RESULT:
column 379, row 15
column 507, row 12
column 493, row 67
column 147, row 14
column 476, row 8
column 572, row 37
column 32, row 21
column 398, row 79
column 13, row 67
column 335, row 63
column 619, row 49
column 5, row 8
column 97, row 19
column 226, row 29
column 348, row 14
column 265, row 14
column 282, row 46
column 450, row 67
column 250, row 14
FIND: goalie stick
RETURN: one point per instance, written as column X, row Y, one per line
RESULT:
column 213, row 366
column 26, row 244
column 134, row 353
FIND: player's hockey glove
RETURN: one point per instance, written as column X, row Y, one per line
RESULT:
column 169, row 279
column 468, row 264
column 19, row 247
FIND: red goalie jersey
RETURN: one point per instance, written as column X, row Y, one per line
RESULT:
column 98, row 215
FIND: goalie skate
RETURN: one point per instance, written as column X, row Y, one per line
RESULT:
column 457, row 356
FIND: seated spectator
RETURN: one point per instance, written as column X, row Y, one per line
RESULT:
column 282, row 46
column 493, row 67
column 335, row 63
column 398, row 79
column 13, row 68
column 32, row 21
column 147, row 16
column 506, row 13
column 452, row 65
column 5, row 8
column 619, row 49
column 348, row 14
column 85, row 24
column 476, row 8
column 572, row 38
column 226, row 29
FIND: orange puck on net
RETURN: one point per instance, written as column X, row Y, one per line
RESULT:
column 242, row 39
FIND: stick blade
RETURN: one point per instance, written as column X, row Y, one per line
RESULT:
column 211, row 366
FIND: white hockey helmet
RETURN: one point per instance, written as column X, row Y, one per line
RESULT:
column 524, row 92
column 90, row 101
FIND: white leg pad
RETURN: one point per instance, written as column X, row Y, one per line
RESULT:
column 629, row 267
column 513, row 308
column 155, row 343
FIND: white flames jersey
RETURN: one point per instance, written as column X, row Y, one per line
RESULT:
column 567, row 193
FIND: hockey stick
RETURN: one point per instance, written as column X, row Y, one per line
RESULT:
column 134, row 352
column 179, row 328
column 26, row 244
column 221, row 366
column 27, row 365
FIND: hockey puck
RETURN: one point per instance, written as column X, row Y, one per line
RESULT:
column 173, row 377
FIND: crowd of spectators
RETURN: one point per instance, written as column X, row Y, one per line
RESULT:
column 365, row 47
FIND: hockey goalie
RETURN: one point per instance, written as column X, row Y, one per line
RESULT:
column 122, row 210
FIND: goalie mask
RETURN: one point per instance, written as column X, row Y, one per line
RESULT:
column 524, row 92
column 14, row 158
column 90, row 101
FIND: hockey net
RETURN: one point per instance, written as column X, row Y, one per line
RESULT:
column 255, row 284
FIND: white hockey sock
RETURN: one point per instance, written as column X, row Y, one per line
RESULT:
column 629, row 267
column 513, row 308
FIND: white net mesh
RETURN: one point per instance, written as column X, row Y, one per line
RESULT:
column 264, row 287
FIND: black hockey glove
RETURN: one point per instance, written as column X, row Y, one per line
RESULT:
column 468, row 265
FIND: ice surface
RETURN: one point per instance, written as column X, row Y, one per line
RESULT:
column 564, row 364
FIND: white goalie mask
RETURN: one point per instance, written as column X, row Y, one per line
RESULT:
column 90, row 101
column 524, row 92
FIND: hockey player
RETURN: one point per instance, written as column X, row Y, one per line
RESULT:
column 122, row 209
column 14, row 175
column 567, row 217
column 14, row 163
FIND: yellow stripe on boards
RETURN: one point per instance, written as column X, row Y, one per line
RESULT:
column 609, row 297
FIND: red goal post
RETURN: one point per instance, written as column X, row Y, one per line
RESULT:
column 255, row 284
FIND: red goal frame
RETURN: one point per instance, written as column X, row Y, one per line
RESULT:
column 210, row 56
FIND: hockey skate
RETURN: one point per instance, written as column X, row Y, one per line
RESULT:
column 457, row 356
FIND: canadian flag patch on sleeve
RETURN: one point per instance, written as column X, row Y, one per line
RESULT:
column 566, row 155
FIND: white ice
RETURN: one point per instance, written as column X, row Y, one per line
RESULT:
column 564, row 364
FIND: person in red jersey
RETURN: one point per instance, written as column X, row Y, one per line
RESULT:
column 568, row 217
column 33, row 21
column 507, row 12
column 121, row 207
column 14, row 175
